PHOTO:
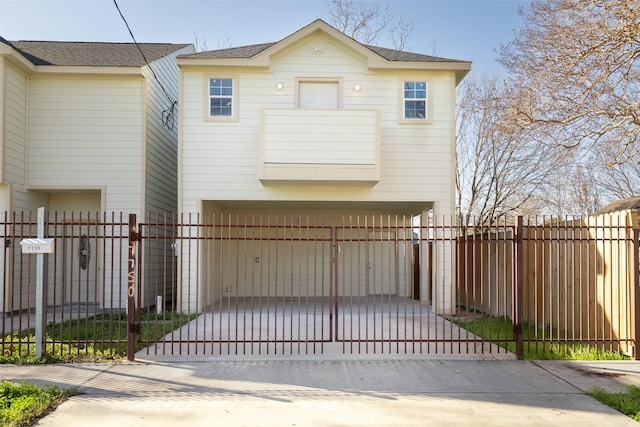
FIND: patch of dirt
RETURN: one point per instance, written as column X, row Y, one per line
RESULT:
column 602, row 373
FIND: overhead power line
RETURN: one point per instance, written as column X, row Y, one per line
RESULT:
column 168, row 115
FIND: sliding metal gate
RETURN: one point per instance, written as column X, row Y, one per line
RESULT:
column 364, row 284
column 308, row 285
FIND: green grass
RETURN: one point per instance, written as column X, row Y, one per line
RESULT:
column 626, row 402
column 538, row 344
column 94, row 339
column 499, row 330
column 99, row 338
column 22, row 404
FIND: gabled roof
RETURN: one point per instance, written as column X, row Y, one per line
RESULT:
column 259, row 55
column 250, row 51
column 92, row 54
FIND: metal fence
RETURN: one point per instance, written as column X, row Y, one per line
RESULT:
column 571, row 284
column 84, row 288
column 267, row 284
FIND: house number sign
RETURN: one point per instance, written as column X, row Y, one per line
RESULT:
column 37, row 246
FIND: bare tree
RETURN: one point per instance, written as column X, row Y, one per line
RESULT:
column 367, row 22
column 499, row 170
column 400, row 32
column 225, row 42
column 577, row 65
column 615, row 181
column 571, row 189
column 201, row 45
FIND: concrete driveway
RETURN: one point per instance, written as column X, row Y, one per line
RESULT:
column 332, row 392
column 357, row 326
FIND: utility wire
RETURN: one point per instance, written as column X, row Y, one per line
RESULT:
column 168, row 115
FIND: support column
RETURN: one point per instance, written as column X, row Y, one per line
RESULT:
column 635, row 283
column 443, row 259
column 187, row 249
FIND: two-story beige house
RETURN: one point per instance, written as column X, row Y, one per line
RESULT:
column 86, row 130
column 311, row 158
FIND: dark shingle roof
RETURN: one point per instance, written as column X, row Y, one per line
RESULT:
column 252, row 50
column 234, row 52
column 400, row 55
column 246, row 52
column 5, row 41
column 93, row 54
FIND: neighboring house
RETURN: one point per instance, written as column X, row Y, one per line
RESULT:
column 315, row 124
column 82, row 132
column 630, row 205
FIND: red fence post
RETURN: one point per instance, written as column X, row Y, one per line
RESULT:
column 636, row 287
column 333, row 287
column 132, row 329
column 518, row 334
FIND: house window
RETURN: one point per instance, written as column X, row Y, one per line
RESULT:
column 221, row 97
column 415, row 100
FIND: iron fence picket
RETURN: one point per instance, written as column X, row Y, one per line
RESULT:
column 271, row 284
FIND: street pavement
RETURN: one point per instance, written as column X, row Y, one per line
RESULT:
column 332, row 391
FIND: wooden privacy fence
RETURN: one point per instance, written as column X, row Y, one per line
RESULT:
column 572, row 281
column 365, row 283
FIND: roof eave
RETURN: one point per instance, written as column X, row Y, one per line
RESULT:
column 456, row 66
column 262, row 59
column 15, row 57
column 223, row 62
column 461, row 74
column 93, row 70
column 461, row 68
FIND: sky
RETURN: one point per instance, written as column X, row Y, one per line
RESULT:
column 470, row 30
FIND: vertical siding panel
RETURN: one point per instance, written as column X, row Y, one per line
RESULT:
column 161, row 178
column 160, row 167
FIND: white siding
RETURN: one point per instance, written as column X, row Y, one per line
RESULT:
column 88, row 132
column 302, row 137
column 220, row 159
column 15, row 127
column 16, row 87
column 160, row 166
column 161, row 161
column 14, row 196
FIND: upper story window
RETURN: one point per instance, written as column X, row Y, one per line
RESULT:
column 415, row 105
column 222, row 98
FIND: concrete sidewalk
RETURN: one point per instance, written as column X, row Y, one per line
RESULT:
column 333, row 392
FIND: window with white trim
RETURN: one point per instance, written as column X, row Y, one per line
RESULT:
column 221, row 97
column 415, row 100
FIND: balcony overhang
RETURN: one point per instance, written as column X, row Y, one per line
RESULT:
column 316, row 145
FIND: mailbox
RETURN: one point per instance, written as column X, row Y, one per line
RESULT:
column 37, row 246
